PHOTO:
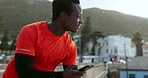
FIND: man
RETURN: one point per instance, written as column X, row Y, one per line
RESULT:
column 42, row 46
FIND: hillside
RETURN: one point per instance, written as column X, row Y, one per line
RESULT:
column 17, row 13
column 112, row 22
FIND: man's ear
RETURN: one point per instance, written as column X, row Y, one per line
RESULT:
column 63, row 16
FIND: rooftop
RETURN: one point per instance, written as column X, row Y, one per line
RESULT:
column 137, row 63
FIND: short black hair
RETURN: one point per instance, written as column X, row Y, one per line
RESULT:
column 59, row 6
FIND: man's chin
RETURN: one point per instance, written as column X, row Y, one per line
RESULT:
column 74, row 31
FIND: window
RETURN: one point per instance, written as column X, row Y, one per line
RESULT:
column 131, row 75
column 145, row 76
column 106, row 50
column 106, row 43
column 115, row 49
column 99, row 44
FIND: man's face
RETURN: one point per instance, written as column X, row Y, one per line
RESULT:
column 74, row 21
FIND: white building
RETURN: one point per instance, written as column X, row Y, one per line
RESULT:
column 117, row 45
column 145, row 48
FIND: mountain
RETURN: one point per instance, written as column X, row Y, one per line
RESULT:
column 17, row 13
column 112, row 22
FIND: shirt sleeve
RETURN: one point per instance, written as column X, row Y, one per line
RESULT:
column 25, row 41
column 71, row 57
column 24, row 68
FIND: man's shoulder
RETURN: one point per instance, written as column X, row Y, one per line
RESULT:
column 36, row 23
column 34, row 26
column 67, row 36
column 68, row 39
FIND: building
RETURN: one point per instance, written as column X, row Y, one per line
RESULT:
column 116, row 45
column 137, row 68
column 145, row 49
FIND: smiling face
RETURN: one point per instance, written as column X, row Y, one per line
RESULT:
column 74, row 20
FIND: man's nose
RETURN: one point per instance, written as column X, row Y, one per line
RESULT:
column 81, row 21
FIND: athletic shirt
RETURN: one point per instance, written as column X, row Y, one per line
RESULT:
column 49, row 50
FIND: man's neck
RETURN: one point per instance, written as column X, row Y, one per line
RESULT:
column 56, row 28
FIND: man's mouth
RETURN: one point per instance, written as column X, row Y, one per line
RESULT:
column 78, row 27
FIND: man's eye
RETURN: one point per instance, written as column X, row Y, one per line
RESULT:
column 79, row 17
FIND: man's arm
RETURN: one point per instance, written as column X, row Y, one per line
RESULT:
column 65, row 66
column 23, row 64
column 24, row 68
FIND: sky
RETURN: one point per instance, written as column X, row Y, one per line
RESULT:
column 132, row 7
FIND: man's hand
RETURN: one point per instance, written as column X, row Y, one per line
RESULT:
column 70, row 73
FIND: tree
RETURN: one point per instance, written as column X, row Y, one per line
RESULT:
column 85, row 32
column 4, row 44
column 100, row 47
column 109, row 74
column 95, row 36
column 13, row 45
column 87, row 26
column 137, row 40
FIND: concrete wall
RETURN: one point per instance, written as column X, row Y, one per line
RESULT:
column 96, row 72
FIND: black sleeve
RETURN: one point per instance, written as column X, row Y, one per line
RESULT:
column 23, row 64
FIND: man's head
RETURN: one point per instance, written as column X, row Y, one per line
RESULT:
column 69, row 12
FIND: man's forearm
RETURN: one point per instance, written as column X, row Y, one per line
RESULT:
column 23, row 64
